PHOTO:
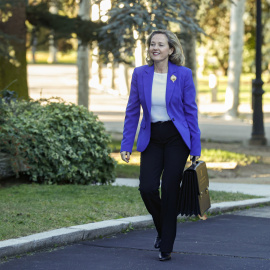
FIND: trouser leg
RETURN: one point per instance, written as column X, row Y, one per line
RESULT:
column 166, row 152
column 150, row 173
column 175, row 156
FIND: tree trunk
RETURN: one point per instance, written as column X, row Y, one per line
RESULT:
column 143, row 53
column 34, row 42
column 123, row 79
column 52, row 44
column 100, row 65
column 52, row 49
column 82, row 60
column 17, row 69
column 138, row 51
column 189, row 48
column 235, row 57
column 113, row 76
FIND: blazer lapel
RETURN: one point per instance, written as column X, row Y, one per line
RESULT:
column 147, row 84
column 170, row 82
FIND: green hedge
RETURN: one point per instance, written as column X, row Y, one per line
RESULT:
column 56, row 142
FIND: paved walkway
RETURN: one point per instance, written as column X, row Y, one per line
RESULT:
column 238, row 240
column 250, row 189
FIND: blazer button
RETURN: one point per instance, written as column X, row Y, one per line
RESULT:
column 173, row 119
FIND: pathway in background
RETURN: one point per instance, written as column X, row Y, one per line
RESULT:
column 61, row 80
column 262, row 190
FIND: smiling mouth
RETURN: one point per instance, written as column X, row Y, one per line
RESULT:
column 155, row 53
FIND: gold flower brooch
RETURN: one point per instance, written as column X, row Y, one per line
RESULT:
column 173, row 78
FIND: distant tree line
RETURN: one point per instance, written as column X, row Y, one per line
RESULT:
column 197, row 23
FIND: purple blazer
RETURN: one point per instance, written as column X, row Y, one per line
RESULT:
column 180, row 102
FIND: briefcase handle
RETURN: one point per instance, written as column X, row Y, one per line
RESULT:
column 193, row 160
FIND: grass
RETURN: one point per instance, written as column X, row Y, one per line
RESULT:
column 132, row 170
column 42, row 57
column 218, row 155
column 245, row 88
column 27, row 209
column 31, row 208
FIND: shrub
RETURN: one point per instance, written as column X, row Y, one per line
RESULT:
column 56, row 142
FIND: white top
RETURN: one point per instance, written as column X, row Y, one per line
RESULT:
column 158, row 109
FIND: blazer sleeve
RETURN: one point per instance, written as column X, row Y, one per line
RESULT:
column 132, row 116
column 191, row 114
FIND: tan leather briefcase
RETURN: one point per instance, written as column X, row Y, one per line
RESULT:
column 194, row 196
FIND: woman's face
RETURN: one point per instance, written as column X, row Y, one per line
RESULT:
column 159, row 49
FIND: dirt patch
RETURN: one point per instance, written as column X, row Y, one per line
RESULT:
column 13, row 181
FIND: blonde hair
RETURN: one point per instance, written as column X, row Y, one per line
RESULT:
column 177, row 57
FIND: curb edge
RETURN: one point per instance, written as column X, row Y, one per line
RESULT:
column 91, row 231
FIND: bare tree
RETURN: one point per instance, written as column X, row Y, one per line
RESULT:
column 235, row 57
column 82, row 59
column 52, row 43
column 189, row 48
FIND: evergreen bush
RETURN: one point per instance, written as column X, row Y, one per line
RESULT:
column 56, row 142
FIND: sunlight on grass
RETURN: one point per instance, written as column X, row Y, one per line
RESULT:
column 42, row 57
column 245, row 91
column 132, row 170
column 28, row 209
column 34, row 208
column 218, row 155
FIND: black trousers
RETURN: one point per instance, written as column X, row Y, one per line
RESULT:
column 165, row 155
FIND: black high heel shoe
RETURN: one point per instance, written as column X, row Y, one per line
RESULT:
column 157, row 242
column 164, row 256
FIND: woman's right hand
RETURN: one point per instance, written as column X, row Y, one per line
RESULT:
column 125, row 156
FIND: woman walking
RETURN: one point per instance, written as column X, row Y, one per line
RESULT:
column 169, row 131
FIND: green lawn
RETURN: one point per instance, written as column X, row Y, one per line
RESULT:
column 31, row 208
column 245, row 88
column 42, row 57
